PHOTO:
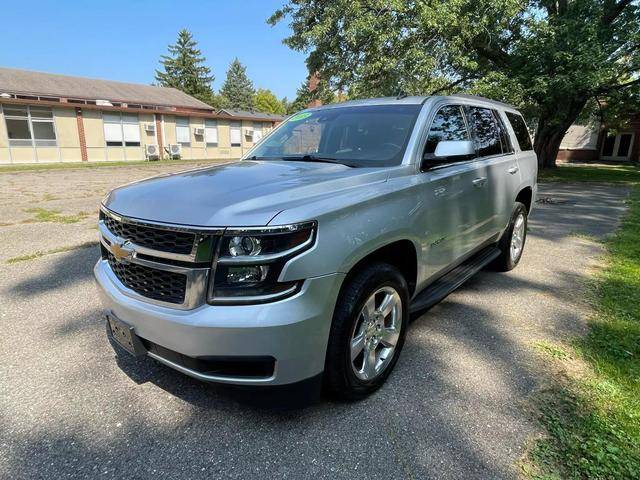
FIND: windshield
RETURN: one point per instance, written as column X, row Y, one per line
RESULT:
column 364, row 136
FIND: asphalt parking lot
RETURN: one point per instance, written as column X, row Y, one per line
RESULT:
column 457, row 405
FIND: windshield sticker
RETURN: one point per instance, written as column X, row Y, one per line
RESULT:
column 300, row 116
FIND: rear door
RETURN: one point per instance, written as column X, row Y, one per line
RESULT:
column 498, row 166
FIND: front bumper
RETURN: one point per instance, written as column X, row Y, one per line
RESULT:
column 293, row 331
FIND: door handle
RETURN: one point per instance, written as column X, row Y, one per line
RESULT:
column 479, row 182
column 513, row 170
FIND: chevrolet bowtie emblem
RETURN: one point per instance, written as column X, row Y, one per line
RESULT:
column 122, row 251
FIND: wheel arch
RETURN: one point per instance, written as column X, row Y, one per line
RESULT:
column 401, row 254
column 525, row 196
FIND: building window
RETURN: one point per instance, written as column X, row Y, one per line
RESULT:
column 183, row 135
column 121, row 130
column 30, row 126
column 211, row 132
column 257, row 131
column 235, row 134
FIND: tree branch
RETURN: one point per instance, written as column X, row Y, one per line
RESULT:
column 613, row 10
column 451, row 85
column 495, row 55
column 618, row 87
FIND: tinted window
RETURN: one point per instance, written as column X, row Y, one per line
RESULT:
column 505, row 139
column 486, row 132
column 520, row 129
column 448, row 124
column 358, row 136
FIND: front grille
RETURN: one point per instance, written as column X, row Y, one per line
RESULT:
column 149, row 237
column 149, row 282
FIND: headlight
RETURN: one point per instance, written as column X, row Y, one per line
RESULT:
column 249, row 263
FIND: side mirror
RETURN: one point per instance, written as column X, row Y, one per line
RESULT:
column 454, row 148
column 449, row 151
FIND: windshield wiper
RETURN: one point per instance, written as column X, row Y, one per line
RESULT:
column 315, row 158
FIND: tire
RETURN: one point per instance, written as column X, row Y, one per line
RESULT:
column 355, row 379
column 509, row 258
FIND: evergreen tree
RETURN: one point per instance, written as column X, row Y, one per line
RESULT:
column 237, row 90
column 267, row 102
column 183, row 68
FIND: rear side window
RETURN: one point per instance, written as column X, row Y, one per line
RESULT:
column 520, row 129
column 486, row 131
column 448, row 124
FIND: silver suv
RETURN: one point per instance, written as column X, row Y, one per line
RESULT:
column 304, row 260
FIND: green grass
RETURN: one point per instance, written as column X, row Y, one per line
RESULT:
column 42, row 253
column 591, row 173
column 592, row 419
column 81, row 165
column 46, row 215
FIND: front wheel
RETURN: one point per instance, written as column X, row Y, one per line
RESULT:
column 511, row 244
column 367, row 332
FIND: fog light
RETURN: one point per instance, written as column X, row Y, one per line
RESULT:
column 250, row 274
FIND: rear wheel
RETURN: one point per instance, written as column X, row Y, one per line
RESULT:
column 512, row 243
column 367, row 332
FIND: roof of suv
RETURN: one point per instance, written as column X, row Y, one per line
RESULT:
column 412, row 100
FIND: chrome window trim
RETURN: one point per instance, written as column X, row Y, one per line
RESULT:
column 162, row 225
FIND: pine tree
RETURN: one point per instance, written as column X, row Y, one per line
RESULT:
column 183, row 68
column 237, row 90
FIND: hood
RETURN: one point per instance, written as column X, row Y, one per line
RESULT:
column 246, row 193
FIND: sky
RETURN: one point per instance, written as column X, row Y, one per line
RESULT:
column 123, row 40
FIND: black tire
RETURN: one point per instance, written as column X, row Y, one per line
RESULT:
column 505, row 261
column 340, row 379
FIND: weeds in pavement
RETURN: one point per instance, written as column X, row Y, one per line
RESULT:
column 46, row 215
column 38, row 254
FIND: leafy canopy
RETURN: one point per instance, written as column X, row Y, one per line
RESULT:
column 546, row 57
column 266, row 101
column 237, row 91
column 184, row 68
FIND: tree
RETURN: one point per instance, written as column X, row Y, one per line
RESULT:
column 304, row 96
column 266, row 101
column 184, row 68
column 237, row 90
column 548, row 57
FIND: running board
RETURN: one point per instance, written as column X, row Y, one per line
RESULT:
column 446, row 284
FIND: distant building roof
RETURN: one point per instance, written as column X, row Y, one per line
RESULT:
column 246, row 114
column 25, row 82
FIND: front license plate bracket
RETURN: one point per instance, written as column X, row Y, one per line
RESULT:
column 124, row 336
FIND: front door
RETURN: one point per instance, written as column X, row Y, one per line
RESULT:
column 454, row 199
column 617, row 147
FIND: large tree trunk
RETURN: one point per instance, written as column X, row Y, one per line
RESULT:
column 547, row 145
column 550, row 132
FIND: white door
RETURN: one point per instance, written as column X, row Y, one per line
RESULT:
column 617, row 147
